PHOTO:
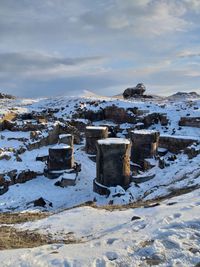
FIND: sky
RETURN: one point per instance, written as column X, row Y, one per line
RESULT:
column 63, row 47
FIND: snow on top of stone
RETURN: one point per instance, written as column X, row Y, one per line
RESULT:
column 96, row 127
column 60, row 146
column 144, row 131
column 64, row 135
column 181, row 136
column 111, row 141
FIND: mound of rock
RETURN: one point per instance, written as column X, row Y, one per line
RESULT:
column 137, row 91
column 5, row 96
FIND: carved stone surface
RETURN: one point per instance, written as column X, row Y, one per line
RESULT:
column 67, row 139
column 60, row 158
column 113, row 163
column 144, row 145
column 93, row 134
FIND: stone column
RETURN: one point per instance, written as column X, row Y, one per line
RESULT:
column 144, row 145
column 66, row 139
column 113, row 164
column 94, row 133
column 60, row 158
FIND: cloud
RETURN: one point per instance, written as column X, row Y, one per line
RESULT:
column 31, row 64
column 63, row 46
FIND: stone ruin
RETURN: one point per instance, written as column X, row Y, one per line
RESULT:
column 144, row 146
column 60, row 162
column 60, row 158
column 190, row 121
column 92, row 134
column 113, row 164
column 137, row 91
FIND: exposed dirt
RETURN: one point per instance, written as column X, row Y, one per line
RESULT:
column 13, row 218
column 11, row 238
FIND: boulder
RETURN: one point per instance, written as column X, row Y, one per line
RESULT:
column 136, row 91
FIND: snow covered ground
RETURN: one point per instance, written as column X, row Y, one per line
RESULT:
column 162, row 235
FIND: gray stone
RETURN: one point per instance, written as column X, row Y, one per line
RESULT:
column 144, row 145
column 113, row 164
column 93, row 134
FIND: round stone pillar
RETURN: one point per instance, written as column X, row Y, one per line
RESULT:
column 113, row 164
column 144, row 145
column 60, row 158
column 92, row 134
column 66, row 139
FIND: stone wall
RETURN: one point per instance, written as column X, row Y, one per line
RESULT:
column 175, row 143
column 190, row 121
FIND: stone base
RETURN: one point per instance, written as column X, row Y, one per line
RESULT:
column 67, row 179
column 100, row 189
column 142, row 179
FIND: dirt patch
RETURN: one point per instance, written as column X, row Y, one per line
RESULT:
column 10, row 238
column 12, row 218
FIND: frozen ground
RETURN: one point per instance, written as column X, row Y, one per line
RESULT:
column 164, row 235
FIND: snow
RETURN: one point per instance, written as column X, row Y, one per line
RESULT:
column 168, row 233
column 60, row 146
column 113, row 141
column 96, row 128
column 147, row 132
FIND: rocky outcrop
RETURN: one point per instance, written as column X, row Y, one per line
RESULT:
column 135, row 92
column 6, row 96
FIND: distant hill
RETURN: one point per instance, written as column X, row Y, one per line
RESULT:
column 5, row 96
column 183, row 96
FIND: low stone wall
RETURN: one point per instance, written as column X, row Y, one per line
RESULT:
column 190, row 121
column 175, row 143
column 14, row 177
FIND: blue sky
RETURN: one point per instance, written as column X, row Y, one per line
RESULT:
column 55, row 47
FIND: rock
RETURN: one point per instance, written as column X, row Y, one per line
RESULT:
column 42, row 158
column 68, row 179
column 135, row 218
column 25, row 176
column 175, row 143
column 5, row 156
column 40, row 202
column 92, row 134
column 113, row 164
column 67, row 139
column 60, row 158
column 6, row 96
column 190, row 121
column 137, row 91
column 144, row 146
